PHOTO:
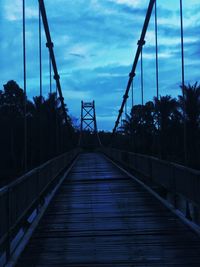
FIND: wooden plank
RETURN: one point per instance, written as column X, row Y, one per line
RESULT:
column 100, row 217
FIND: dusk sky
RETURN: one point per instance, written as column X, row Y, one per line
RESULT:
column 95, row 43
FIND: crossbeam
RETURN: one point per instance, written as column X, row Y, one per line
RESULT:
column 88, row 120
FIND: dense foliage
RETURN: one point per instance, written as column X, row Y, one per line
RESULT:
column 47, row 133
column 157, row 128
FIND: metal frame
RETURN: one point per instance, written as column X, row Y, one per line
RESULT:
column 88, row 120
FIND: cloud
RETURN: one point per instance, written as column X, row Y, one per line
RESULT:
column 77, row 95
column 131, row 3
column 76, row 55
column 95, row 44
column 13, row 10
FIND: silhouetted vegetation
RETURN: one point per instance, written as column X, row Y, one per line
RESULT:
column 47, row 133
column 157, row 128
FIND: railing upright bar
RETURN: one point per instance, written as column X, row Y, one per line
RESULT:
column 8, row 225
column 31, row 189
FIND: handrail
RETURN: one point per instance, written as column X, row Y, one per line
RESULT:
column 20, row 198
column 181, row 184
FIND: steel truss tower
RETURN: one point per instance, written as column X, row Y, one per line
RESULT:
column 88, row 130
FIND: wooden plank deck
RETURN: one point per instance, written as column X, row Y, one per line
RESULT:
column 100, row 217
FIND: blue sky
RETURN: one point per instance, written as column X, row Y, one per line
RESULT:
column 95, row 43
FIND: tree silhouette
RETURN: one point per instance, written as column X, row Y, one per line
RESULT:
column 11, row 117
column 157, row 127
column 140, row 124
column 166, row 109
column 190, row 103
column 48, row 134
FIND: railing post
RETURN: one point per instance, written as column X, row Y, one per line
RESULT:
column 8, row 238
column 187, row 212
column 173, row 187
column 38, row 191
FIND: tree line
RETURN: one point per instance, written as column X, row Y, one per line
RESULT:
column 165, row 127
column 47, row 135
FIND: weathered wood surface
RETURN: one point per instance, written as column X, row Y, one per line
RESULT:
column 100, row 217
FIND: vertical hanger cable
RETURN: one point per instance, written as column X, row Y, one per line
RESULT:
column 25, row 91
column 183, row 81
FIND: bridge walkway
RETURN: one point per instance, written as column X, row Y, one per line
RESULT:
column 101, row 217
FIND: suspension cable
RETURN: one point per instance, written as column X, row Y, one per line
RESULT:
column 25, row 93
column 49, row 44
column 182, row 43
column 183, row 82
column 142, row 90
column 142, row 80
column 132, row 73
column 131, row 95
column 131, row 129
column 40, row 52
column 40, row 75
column 158, row 143
column 156, row 42
column 50, row 76
column 126, row 109
column 57, row 128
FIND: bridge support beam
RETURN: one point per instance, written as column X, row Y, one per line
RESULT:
column 88, row 123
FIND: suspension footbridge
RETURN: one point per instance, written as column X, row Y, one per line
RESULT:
column 88, row 203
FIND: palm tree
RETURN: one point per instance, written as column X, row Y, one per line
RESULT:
column 140, row 125
column 166, row 110
column 12, row 131
column 190, row 107
column 191, row 102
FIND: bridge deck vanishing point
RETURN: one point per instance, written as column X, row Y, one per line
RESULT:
column 101, row 217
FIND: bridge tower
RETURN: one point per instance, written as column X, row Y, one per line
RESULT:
column 89, row 136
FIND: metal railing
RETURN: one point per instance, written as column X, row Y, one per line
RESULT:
column 22, row 197
column 181, row 184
